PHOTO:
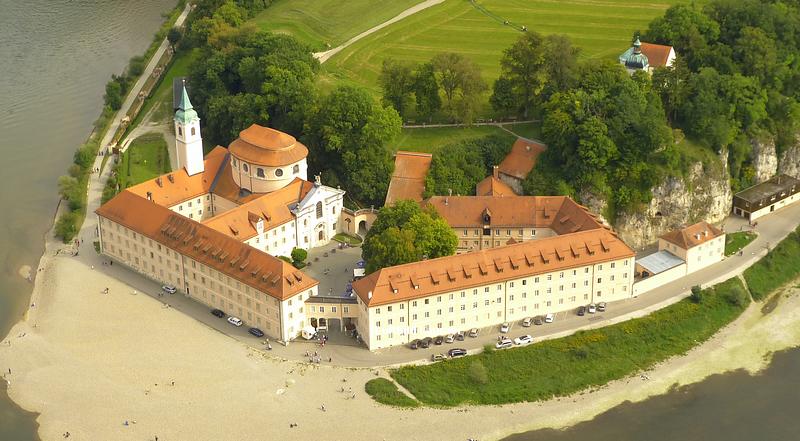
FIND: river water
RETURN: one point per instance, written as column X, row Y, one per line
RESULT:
column 55, row 58
column 729, row 407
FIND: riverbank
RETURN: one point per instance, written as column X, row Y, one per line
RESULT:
column 114, row 356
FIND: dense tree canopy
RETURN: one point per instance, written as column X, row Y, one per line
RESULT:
column 533, row 68
column 458, row 167
column 348, row 135
column 404, row 233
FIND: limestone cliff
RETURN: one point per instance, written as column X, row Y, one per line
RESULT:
column 790, row 160
column 765, row 159
column 703, row 194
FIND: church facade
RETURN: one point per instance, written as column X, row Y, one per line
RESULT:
column 215, row 226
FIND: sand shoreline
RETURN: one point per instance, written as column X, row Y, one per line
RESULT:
column 70, row 359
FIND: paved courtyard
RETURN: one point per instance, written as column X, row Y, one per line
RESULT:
column 332, row 267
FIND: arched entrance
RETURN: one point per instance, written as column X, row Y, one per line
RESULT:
column 362, row 228
column 321, row 236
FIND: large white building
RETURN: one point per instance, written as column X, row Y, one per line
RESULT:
column 213, row 227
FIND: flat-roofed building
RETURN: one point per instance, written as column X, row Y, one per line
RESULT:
column 504, row 284
column 483, row 222
column 766, row 197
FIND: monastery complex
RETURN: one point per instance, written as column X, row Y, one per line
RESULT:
column 215, row 227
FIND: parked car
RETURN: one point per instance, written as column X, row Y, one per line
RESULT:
column 257, row 332
column 438, row 340
column 460, row 336
column 473, row 332
column 414, row 344
column 581, row 310
column 523, row 340
column 527, row 321
column 425, row 343
column 504, row 343
column 549, row 318
column 538, row 320
column 438, row 357
column 592, row 308
column 601, row 306
column 218, row 313
column 235, row 321
column 450, row 338
column 504, row 328
column 457, row 352
column 169, row 289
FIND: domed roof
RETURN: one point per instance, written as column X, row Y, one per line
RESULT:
column 269, row 147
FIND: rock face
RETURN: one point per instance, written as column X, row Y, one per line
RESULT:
column 704, row 194
column 790, row 161
column 765, row 159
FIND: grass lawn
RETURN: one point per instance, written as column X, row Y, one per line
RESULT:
column 161, row 98
column 778, row 267
column 429, row 140
column 736, row 241
column 571, row 364
column 600, row 29
column 319, row 23
column 386, row 392
column 146, row 158
column 348, row 239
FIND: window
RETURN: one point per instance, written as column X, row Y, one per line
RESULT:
column 389, row 309
column 278, row 172
column 296, row 169
column 333, row 309
column 378, row 323
column 193, row 131
column 180, row 132
column 260, row 172
column 244, row 167
column 319, row 210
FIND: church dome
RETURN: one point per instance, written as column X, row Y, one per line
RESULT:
column 268, row 147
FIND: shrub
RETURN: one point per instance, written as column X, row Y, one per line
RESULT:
column 477, row 372
column 66, row 226
column 285, row 259
column 697, row 294
column 299, row 255
column 136, row 66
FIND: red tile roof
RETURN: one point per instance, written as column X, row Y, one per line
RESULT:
column 693, row 235
column 205, row 245
column 408, row 178
column 479, row 268
column 491, row 186
column 657, row 54
column 522, row 158
column 266, row 146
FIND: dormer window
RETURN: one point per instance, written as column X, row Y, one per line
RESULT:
column 260, row 172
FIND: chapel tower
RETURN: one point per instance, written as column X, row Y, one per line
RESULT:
column 188, row 141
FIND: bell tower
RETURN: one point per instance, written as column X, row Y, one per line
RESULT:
column 188, row 141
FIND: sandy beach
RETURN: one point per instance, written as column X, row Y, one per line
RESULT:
column 88, row 362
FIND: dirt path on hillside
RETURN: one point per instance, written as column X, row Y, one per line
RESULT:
column 324, row 56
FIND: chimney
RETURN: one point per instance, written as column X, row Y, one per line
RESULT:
column 496, row 172
column 149, row 196
column 158, row 182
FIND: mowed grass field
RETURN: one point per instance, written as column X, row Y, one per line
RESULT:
column 602, row 29
column 319, row 23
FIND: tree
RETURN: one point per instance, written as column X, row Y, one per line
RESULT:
column 349, row 133
column 460, row 79
column 697, row 294
column 426, row 91
column 532, row 68
column 174, row 36
column 136, row 66
column 299, row 255
column 403, row 233
column 113, row 96
column 397, row 81
column 459, row 166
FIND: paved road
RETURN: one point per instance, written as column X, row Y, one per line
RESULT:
column 324, row 56
column 134, row 92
